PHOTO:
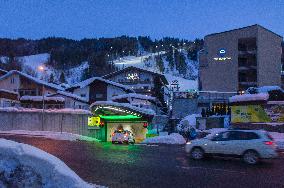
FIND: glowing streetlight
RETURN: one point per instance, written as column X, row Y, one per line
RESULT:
column 42, row 69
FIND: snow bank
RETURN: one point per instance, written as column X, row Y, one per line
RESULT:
column 50, row 135
column 49, row 171
column 173, row 138
column 63, row 110
column 249, row 97
column 188, row 122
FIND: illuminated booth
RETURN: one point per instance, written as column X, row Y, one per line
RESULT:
column 109, row 116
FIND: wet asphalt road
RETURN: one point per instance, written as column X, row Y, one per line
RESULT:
column 156, row 166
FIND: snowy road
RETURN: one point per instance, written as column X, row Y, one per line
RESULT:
column 159, row 166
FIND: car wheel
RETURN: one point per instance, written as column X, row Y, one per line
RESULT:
column 197, row 153
column 113, row 142
column 251, row 157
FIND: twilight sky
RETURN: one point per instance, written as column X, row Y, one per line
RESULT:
column 187, row 19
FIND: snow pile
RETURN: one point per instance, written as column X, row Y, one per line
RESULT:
column 188, row 122
column 40, row 98
column 173, row 138
column 63, row 110
column 22, row 165
column 50, row 135
column 249, row 97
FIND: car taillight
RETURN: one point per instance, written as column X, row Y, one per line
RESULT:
column 269, row 143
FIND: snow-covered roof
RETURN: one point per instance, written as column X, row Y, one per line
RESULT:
column 139, row 69
column 134, row 95
column 87, row 82
column 38, row 81
column 9, row 91
column 63, row 110
column 40, row 98
column 4, row 71
column 123, row 105
column 71, row 95
column 266, row 89
column 249, row 97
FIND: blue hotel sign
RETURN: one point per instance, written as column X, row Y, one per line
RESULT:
column 222, row 55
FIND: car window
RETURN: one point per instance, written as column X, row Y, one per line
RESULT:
column 222, row 136
column 242, row 135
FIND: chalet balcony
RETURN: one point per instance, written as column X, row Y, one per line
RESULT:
column 134, row 82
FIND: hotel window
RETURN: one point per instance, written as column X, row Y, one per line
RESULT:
column 99, row 95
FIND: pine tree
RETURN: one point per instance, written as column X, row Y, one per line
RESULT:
column 51, row 78
column 160, row 63
column 62, row 78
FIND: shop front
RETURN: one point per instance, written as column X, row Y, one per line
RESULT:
column 110, row 116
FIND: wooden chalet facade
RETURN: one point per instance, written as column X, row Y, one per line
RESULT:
column 98, row 89
column 142, row 81
column 26, row 85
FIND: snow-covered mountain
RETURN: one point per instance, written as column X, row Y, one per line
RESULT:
column 31, row 64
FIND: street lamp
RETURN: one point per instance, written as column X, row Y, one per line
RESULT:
column 42, row 69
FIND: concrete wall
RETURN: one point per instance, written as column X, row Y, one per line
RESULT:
column 72, row 123
column 268, row 58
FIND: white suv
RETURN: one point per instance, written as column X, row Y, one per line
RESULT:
column 251, row 145
column 121, row 136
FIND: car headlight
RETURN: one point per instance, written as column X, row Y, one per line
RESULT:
column 188, row 143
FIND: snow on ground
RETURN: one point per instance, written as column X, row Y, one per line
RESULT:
column 184, row 84
column 173, row 138
column 22, row 165
column 187, row 122
column 34, row 61
column 50, row 135
column 138, row 61
column 74, row 75
column 249, row 97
